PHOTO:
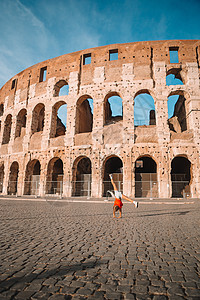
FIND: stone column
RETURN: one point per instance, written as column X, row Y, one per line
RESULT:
column 162, row 127
column 127, row 174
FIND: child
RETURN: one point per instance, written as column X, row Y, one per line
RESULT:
column 118, row 203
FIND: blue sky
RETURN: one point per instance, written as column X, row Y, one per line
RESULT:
column 36, row 30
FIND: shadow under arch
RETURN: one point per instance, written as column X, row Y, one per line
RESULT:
column 146, row 177
column 54, row 182
column 57, row 126
column 32, row 177
column 113, row 164
column 177, row 120
column 84, row 114
column 81, row 176
column 38, row 115
column 13, row 178
column 181, row 176
column 20, row 129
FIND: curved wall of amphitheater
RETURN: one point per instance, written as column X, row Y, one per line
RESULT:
column 159, row 159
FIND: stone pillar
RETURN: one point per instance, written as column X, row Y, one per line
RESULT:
column 127, row 174
column 96, row 188
column 128, row 120
column 71, row 123
column 162, row 127
column 6, row 176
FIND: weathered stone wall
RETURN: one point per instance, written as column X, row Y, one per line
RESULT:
column 140, row 67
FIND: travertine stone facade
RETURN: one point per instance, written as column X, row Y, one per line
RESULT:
column 35, row 148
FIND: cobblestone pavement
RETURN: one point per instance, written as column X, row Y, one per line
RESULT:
column 59, row 250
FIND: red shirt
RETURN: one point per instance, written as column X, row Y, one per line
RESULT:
column 118, row 202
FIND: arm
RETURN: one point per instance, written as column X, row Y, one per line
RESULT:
column 126, row 198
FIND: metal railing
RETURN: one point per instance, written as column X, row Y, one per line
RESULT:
column 139, row 188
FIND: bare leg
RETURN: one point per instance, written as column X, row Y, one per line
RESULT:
column 114, row 210
column 120, row 213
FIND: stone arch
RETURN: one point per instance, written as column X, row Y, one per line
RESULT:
column 1, row 176
column 7, row 129
column 54, row 183
column 81, row 172
column 84, row 114
column 113, row 164
column 21, row 123
column 177, row 120
column 57, row 126
column 113, row 108
column 1, row 109
column 174, row 76
column 38, row 118
column 181, row 176
column 59, row 87
column 146, row 177
column 144, row 108
column 13, row 178
column 32, row 177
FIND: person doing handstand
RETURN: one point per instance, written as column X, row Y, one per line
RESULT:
column 118, row 202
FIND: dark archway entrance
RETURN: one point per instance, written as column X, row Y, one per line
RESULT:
column 13, row 178
column 180, row 177
column 54, row 184
column 32, row 178
column 114, row 166
column 82, row 177
column 1, row 177
column 146, row 177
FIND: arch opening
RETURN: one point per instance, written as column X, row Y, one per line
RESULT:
column 113, row 109
column 38, row 118
column 21, row 123
column 13, row 179
column 144, row 109
column 84, row 115
column 114, row 166
column 174, row 77
column 82, row 171
column 61, row 88
column 180, row 177
column 1, row 177
column 146, row 177
column 59, row 119
column 177, row 112
column 32, row 178
column 54, row 184
column 1, row 110
column 7, row 130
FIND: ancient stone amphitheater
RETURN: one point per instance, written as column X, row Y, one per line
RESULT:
column 158, row 157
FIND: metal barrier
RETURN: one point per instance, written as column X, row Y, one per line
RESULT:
column 141, row 189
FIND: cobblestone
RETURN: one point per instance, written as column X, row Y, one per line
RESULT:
column 75, row 251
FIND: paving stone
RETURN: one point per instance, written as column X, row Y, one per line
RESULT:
column 61, row 253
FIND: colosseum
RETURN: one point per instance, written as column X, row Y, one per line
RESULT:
column 116, row 101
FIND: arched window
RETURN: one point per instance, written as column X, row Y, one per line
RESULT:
column 177, row 112
column 7, row 129
column 59, row 119
column 38, row 118
column 174, row 77
column 146, row 177
column 84, row 114
column 54, row 184
column 82, row 177
column 144, row 109
column 180, row 176
column 32, row 178
column 13, row 178
column 61, row 88
column 21, row 123
column 113, row 108
column 113, row 165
